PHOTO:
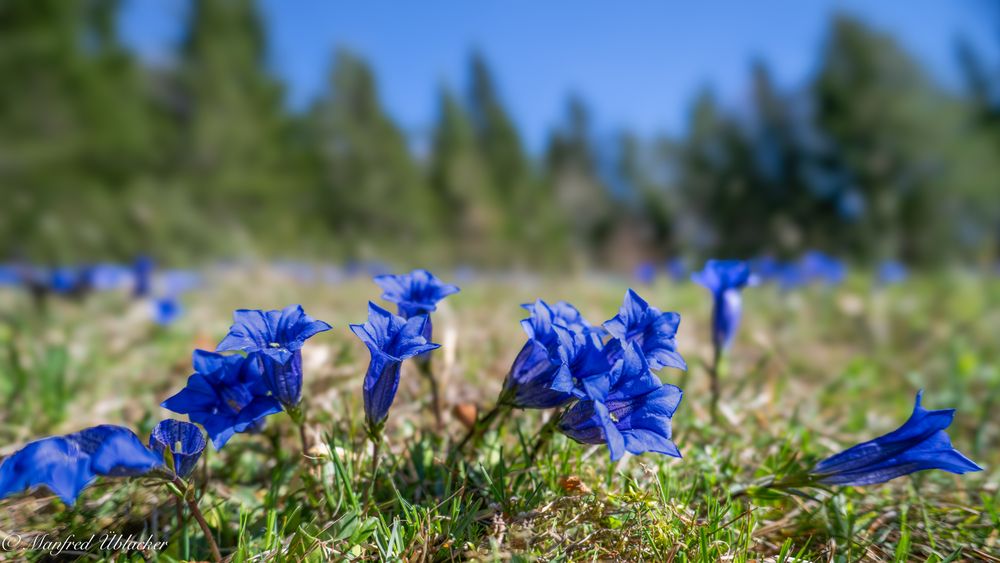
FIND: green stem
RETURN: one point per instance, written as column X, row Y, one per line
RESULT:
column 713, row 373
column 375, row 435
column 544, row 434
column 192, row 503
column 424, row 365
column 298, row 416
column 483, row 423
column 182, row 527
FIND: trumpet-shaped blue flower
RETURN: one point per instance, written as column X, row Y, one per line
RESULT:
column 184, row 440
column 653, row 330
column 544, row 317
column 276, row 337
column 920, row 443
column 725, row 279
column 416, row 293
column 68, row 464
column 630, row 410
column 529, row 381
column 142, row 274
column 390, row 340
column 225, row 395
column 553, row 348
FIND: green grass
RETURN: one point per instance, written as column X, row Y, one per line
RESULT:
column 810, row 372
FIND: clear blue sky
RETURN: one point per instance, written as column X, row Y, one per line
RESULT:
column 638, row 63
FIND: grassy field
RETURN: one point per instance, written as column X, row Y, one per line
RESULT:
column 811, row 372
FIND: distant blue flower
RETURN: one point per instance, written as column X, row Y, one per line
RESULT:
column 68, row 464
column 920, row 443
column 225, row 395
column 725, row 279
column 176, row 282
column 676, row 269
column 766, row 268
column 10, row 275
column 184, row 440
column 142, row 274
column 891, row 272
column 390, row 340
column 789, row 276
column 645, row 273
column 276, row 337
column 165, row 310
column 69, row 280
column 104, row 277
column 631, row 413
column 653, row 330
column 416, row 293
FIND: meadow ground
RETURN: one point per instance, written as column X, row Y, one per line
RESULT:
column 811, row 372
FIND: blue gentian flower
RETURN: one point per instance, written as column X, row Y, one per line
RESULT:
column 165, row 310
column 184, row 440
column 105, row 277
column 529, row 382
column 68, row 464
column 276, row 338
column 645, row 273
column 725, row 279
column 920, row 443
column 891, row 272
column 551, row 328
column 545, row 316
column 69, row 280
column 818, row 266
column 142, row 274
column 390, row 340
column 653, row 330
column 10, row 275
column 676, row 269
column 632, row 411
column 416, row 293
column 583, row 364
column 225, row 395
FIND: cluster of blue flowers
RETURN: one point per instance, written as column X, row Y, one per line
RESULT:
column 599, row 379
column 160, row 294
column 227, row 394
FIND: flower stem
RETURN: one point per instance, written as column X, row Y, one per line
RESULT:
column 182, row 527
column 483, row 423
column 713, row 373
column 196, row 512
column 542, row 439
column 375, row 435
column 424, row 365
column 298, row 416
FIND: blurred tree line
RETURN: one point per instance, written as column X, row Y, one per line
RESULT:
column 102, row 157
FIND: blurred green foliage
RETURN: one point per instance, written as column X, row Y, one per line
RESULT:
column 103, row 157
